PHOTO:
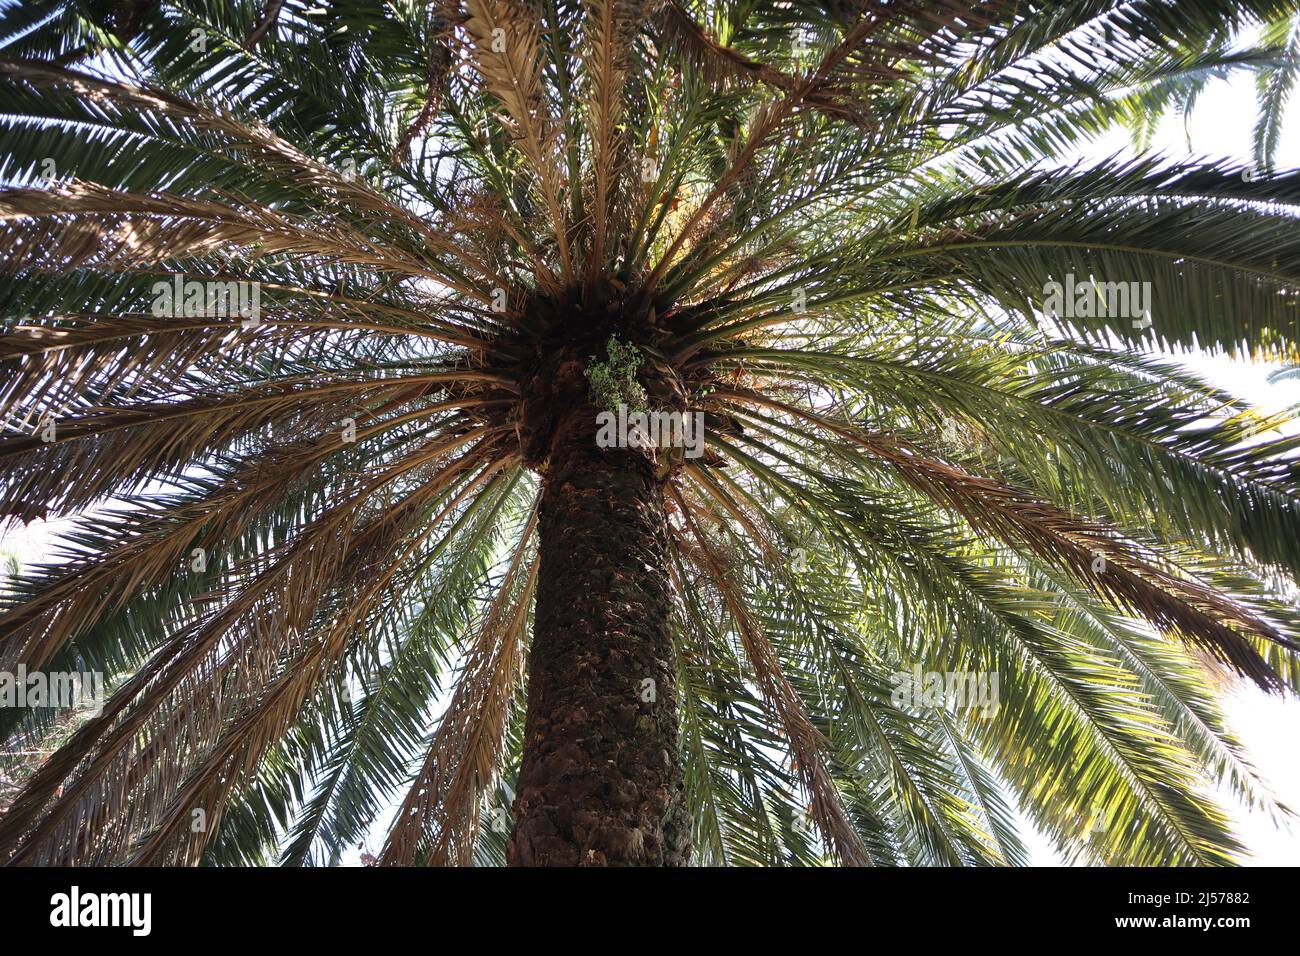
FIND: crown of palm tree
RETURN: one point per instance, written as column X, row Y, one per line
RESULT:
column 308, row 554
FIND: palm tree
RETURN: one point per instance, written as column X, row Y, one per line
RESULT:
column 351, row 551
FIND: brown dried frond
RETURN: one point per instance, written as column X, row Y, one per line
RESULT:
column 806, row 742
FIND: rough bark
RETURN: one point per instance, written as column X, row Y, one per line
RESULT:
column 601, row 780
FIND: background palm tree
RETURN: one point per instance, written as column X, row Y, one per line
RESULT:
column 329, row 550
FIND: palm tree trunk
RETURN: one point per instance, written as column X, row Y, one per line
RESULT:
column 601, row 780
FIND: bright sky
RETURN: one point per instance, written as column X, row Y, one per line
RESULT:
column 1269, row 727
